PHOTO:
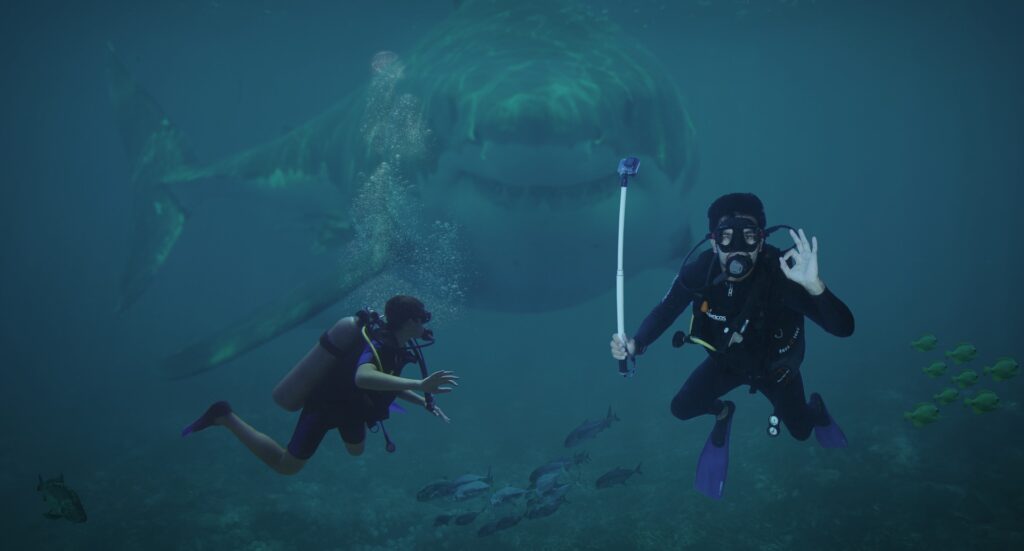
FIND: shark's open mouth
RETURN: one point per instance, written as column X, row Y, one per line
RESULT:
column 509, row 195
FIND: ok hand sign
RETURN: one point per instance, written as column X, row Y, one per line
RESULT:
column 805, row 262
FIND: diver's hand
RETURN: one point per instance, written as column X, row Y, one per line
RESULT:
column 438, row 413
column 436, row 382
column 619, row 351
column 805, row 263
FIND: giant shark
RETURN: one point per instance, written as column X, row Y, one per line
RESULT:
column 528, row 104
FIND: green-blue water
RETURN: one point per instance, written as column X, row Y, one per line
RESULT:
column 891, row 131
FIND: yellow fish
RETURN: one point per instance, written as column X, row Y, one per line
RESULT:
column 1004, row 369
column 925, row 343
column 966, row 379
column 922, row 415
column 935, row 370
column 947, row 396
column 984, row 401
column 963, row 353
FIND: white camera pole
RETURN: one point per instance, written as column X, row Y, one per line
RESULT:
column 627, row 167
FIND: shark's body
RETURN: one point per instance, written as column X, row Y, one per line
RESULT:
column 529, row 106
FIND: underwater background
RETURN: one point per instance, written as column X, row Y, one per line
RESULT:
column 892, row 131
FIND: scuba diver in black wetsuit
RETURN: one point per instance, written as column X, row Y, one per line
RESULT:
column 749, row 301
column 348, row 381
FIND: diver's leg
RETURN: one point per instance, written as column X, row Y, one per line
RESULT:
column 699, row 394
column 262, row 446
column 790, row 405
column 354, row 437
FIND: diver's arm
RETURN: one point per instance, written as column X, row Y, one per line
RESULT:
column 368, row 378
column 824, row 308
column 412, row 397
column 661, row 317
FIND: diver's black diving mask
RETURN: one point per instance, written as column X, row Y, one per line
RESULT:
column 738, row 235
column 423, row 317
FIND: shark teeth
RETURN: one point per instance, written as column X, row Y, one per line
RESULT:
column 571, row 196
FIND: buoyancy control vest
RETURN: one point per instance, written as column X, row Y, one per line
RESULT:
column 772, row 345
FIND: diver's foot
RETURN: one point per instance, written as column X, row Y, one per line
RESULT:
column 817, row 405
column 212, row 415
column 826, row 430
column 718, row 434
column 713, row 463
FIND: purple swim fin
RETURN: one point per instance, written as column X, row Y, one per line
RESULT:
column 713, row 464
column 829, row 435
column 218, row 409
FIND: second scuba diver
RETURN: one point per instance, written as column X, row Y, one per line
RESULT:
column 749, row 301
column 347, row 381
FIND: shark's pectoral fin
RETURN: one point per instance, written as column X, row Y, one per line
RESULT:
column 155, row 147
column 275, row 318
column 158, row 220
column 156, row 150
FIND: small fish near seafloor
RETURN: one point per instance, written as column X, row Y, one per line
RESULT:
column 500, row 524
column 589, row 429
column 63, row 501
column 561, row 464
column 616, row 476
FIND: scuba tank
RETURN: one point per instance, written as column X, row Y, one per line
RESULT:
column 293, row 390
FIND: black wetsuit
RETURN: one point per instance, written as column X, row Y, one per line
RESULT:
column 770, row 355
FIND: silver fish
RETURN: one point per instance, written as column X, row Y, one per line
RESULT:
column 617, row 476
column 498, row 525
column 590, row 429
column 508, row 494
column 470, row 490
column 559, row 465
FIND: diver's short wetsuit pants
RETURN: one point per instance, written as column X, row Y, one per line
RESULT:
column 314, row 425
column 701, row 391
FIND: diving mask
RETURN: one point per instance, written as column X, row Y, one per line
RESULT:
column 738, row 235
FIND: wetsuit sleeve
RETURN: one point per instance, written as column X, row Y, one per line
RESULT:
column 366, row 357
column 826, row 310
column 661, row 317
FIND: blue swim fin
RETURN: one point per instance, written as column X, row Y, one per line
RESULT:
column 713, row 464
column 829, row 435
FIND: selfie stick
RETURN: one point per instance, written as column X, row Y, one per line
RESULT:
column 627, row 167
